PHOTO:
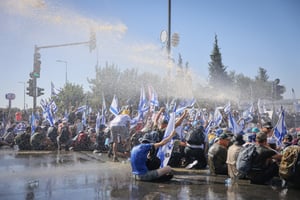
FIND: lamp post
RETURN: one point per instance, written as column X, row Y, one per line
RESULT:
column 66, row 63
column 24, row 91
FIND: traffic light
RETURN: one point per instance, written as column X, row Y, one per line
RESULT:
column 40, row 91
column 278, row 90
column 30, row 88
column 36, row 64
column 92, row 41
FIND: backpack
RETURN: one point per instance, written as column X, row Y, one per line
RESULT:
column 153, row 162
column 195, row 137
column 245, row 158
column 290, row 163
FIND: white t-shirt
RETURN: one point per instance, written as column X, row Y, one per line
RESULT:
column 120, row 120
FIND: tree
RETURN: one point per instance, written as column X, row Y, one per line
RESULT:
column 218, row 77
column 71, row 95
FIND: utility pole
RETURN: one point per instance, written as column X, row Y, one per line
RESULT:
column 35, row 91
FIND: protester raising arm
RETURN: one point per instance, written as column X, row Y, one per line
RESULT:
column 165, row 140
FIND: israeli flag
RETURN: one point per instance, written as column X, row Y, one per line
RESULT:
column 142, row 107
column 54, row 91
column 81, row 109
column 218, row 117
column 103, row 111
column 153, row 97
column 165, row 151
column 233, row 125
column 114, row 106
column 98, row 122
column 227, row 108
column 33, row 123
column 280, row 129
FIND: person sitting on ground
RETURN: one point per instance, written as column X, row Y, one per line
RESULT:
column 217, row 155
column 40, row 141
column 23, row 139
column 232, row 154
column 139, row 155
column 194, row 148
column 264, row 168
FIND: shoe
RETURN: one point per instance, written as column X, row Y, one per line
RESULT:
column 191, row 165
column 115, row 159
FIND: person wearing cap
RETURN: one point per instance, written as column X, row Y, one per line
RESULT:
column 286, row 142
column 267, row 128
column 265, row 164
column 139, row 156
column 232, row 154
column 217, row 155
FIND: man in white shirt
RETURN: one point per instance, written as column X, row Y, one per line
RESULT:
column 119, row 131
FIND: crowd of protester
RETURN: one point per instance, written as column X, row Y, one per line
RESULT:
column 215, row 149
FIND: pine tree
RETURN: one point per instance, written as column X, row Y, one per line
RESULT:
column 218, row 77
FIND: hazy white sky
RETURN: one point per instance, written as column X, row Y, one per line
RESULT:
column 251, row 34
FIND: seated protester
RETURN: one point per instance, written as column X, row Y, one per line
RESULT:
column 232, row 155
column 194, row 149
column 263, row 167
column 64, row 135
column 82, row 142
column 217, row 155
column 100, row 139
column 52, row 133
column 139, row 157
column 23, row 139
column 40, row 141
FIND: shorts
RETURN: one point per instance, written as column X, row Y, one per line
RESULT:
column 119, row 133
column 149, row 176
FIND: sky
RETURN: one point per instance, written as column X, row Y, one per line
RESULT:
column 251, row 34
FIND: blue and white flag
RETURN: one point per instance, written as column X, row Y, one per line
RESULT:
column 143, row 106
column 81, row 109
column 247, row 114
column 153, row 98
column 185, row 104
column 54, row 91
column 83, row 120
column 261, row 107
column 47, row 110
column 114, row 109
column 165, row 151
column 103, row 111
column 33, row 123
column 233, row 125
column 280, row 129
column 98, row 121
column 217, row 117
column 53, row 106
column 227, row 108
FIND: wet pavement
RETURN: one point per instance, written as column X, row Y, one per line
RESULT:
column 84, row 175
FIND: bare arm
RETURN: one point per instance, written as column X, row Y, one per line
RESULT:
column 162, row 109
column 179, row 121
column 166, row 140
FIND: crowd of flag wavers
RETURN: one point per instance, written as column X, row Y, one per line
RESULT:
column 158, row 138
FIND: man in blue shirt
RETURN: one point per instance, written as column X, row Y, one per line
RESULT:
column 139, row 156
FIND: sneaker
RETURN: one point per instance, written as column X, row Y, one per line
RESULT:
column 191, row 165
column 115, row 159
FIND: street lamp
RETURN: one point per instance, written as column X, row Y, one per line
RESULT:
column 24, row 91
column 66, row 63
